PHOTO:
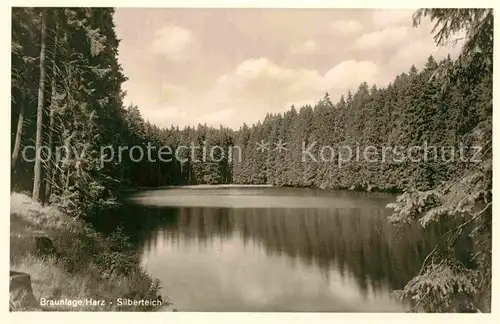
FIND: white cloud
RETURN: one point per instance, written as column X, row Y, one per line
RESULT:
column 307, row 47
column 257, row 86
column 388, row 17
column 252, row 89
column 350, row 74
column 216, row 117
column 418, row 52
column 307, row 80
column 344, row 75
column 173, row 42
column 384, row 38
column 346, row 26
column 262, row 67
column 382, row 45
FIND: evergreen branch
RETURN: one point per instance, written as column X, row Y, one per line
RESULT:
column 458, row 228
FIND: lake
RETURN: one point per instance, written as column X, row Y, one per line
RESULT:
column 274, row 249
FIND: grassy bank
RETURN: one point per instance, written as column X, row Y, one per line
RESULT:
column 82, row 265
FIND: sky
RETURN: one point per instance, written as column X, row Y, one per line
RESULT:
column 232, row 66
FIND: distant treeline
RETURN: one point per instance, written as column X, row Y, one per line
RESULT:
column 66, row 91
column 410, row 112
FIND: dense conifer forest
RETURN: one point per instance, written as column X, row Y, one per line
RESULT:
column 66, row 91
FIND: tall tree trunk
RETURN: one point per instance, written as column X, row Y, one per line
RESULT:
column 50, row 165
column 37, row 181
column 19, row 133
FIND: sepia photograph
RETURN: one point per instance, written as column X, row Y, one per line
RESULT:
column 312, row 160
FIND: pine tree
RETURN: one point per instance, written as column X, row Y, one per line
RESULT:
column 37, row 181
column 444, row 283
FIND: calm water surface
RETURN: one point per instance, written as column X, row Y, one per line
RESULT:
column 274, row 249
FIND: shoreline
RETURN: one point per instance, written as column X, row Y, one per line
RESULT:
column 67, row 259
column 368, row 189
column 208, row 186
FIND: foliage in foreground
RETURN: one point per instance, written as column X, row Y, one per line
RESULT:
column 450, row 281
column 446, row 103
column 84, row 265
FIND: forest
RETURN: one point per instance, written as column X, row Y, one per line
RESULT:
column 66, row 91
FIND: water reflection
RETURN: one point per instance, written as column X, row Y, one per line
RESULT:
column 277, row 259
column 357, row 241
column 273, row 249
